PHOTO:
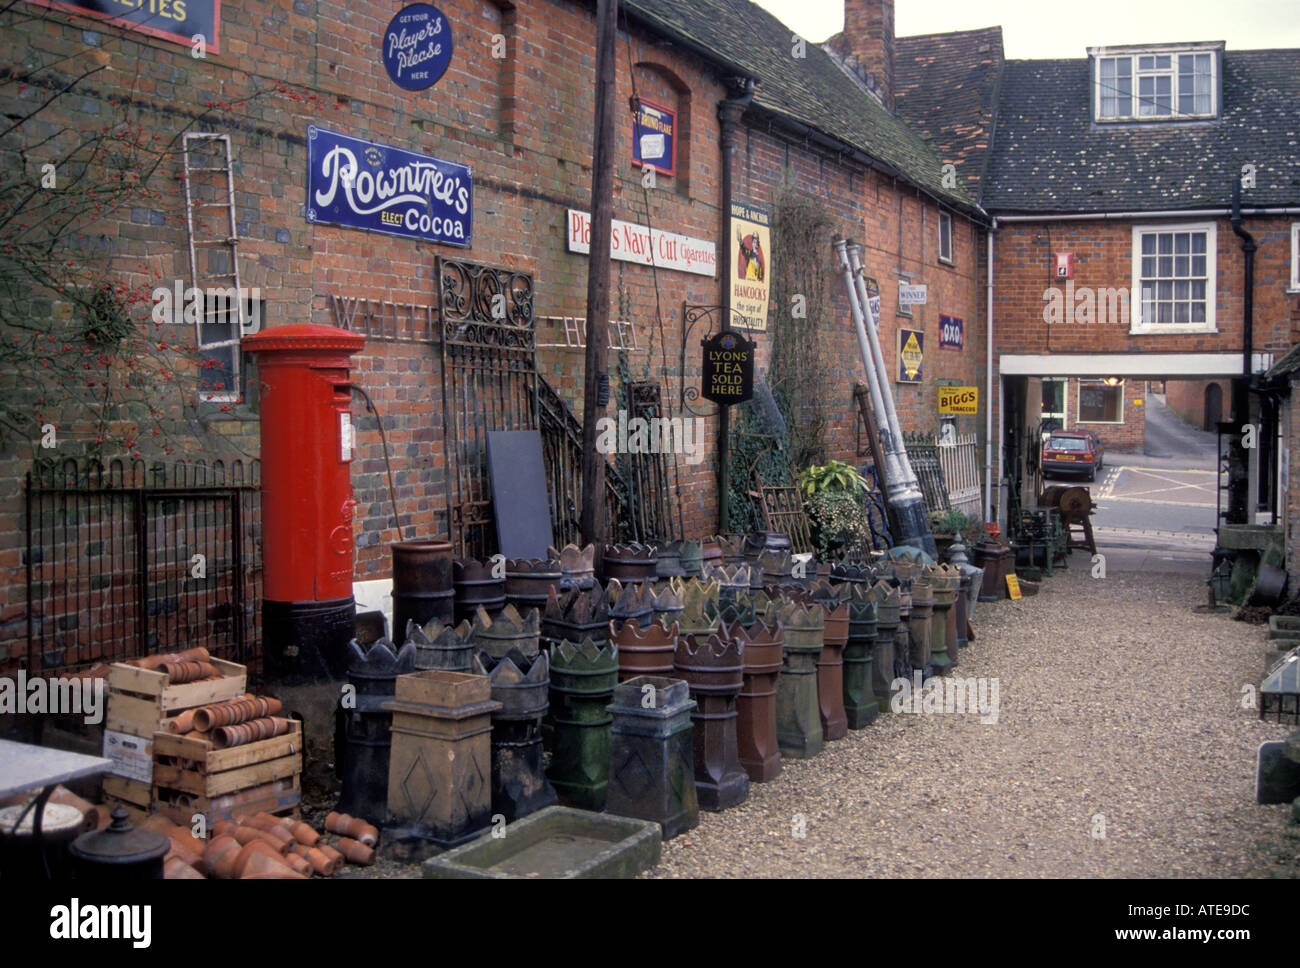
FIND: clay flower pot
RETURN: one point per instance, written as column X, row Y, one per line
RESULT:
column 175, row 869
column 220, row 855
column 353, row 827
column 356, row 852
column 332, row 852
column 304, row 834
column 577, row 566
column 259, row 859
column 713, row 669
column 321, row 862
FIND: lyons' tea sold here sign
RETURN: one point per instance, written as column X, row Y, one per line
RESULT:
column 728, row 371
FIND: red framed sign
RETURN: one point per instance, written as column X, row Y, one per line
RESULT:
column 176, row 20
column 654, row 138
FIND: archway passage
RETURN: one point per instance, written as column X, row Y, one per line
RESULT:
column 1213, row 407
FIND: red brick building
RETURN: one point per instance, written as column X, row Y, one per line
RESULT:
column 515, row 106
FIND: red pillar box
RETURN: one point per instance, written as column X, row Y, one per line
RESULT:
column 308, row 613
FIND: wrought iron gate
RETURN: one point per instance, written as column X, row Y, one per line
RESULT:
column 111, row 562
column 489, row 382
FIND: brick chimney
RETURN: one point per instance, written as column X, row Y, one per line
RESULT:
column 867, row 43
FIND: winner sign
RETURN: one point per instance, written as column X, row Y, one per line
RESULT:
column 379, row 188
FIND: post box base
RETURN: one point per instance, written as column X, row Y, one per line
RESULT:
column 305, row 642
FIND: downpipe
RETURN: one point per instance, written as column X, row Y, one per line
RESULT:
column 905, row 496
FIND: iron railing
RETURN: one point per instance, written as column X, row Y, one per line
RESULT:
column 124, row 559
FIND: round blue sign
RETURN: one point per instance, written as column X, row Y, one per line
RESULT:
column 417, row 46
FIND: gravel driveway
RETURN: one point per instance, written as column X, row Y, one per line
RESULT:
column 1117, row 702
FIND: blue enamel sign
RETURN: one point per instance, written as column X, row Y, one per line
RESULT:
column 379, row 188
column 417, row 47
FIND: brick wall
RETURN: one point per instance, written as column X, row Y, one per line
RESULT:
column 523, row 124
column 1187, row 399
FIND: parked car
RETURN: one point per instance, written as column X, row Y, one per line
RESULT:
column 1073, row 452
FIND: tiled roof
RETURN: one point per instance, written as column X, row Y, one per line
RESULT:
column 813, row 90
column 1288, row 365
column 1048, row 155
column 947, row 86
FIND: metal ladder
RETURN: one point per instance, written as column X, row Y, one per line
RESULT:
column 208, row 156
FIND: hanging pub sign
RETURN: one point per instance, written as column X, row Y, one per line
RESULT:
column 728, row 371
column 910, row 354
column 750, row 265
column 417, row 47
column 952, row 334
column 654, row 138
column 185, row 22
column 375, row 187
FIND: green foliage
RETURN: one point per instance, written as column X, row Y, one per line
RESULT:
column 949, row 522
column 834, row 476
column 840, row 524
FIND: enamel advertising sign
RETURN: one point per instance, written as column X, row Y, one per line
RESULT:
column 379, row 188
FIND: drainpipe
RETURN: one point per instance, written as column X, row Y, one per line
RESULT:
column 988, row 382
column 1248, row 248
column 730, row 110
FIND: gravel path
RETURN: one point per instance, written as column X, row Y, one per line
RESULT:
column 1116, row 699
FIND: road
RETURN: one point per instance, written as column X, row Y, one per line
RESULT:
column 1168, row 492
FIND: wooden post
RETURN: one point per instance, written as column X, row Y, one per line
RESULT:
column 592, row 519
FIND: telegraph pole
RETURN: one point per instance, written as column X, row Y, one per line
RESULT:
column 596, row 379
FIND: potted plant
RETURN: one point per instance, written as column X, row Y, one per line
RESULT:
column 946, row 527
column 834, row 495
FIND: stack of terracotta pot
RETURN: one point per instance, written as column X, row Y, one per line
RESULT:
column 188, row 666
column 233, row 722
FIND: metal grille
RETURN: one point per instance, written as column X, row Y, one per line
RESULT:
column 562, row 458
column 783, row 511
column 647, row 474
column 961, row 473
column 923, row 454
column 489, row 382
column 112, row 571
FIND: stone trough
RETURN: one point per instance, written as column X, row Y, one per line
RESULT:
column 556, row 842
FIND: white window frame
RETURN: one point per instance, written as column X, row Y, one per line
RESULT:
column 1138, row 326
column 1078, row 416
column 945, row 218
column 899, row 308
column 1132, row 55
column 1295, row 257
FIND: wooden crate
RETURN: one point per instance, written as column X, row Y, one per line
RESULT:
column 191, row 776
column 279, row 797
column 135, row 796
column 141, row 701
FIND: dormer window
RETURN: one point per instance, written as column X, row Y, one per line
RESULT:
column 1156, row 84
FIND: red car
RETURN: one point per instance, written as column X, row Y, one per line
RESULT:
column 1072, row 452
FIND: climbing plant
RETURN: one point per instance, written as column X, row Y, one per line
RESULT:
column 799, row 319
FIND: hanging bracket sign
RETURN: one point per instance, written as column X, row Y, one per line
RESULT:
column 728, row 372
column 417, row 47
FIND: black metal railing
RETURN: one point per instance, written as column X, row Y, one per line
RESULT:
column 562, row 457
column 124, row 559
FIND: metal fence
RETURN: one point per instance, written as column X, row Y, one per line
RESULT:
column 961, row 474
column 124, row 559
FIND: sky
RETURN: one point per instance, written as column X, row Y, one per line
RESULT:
column 1050, row 28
